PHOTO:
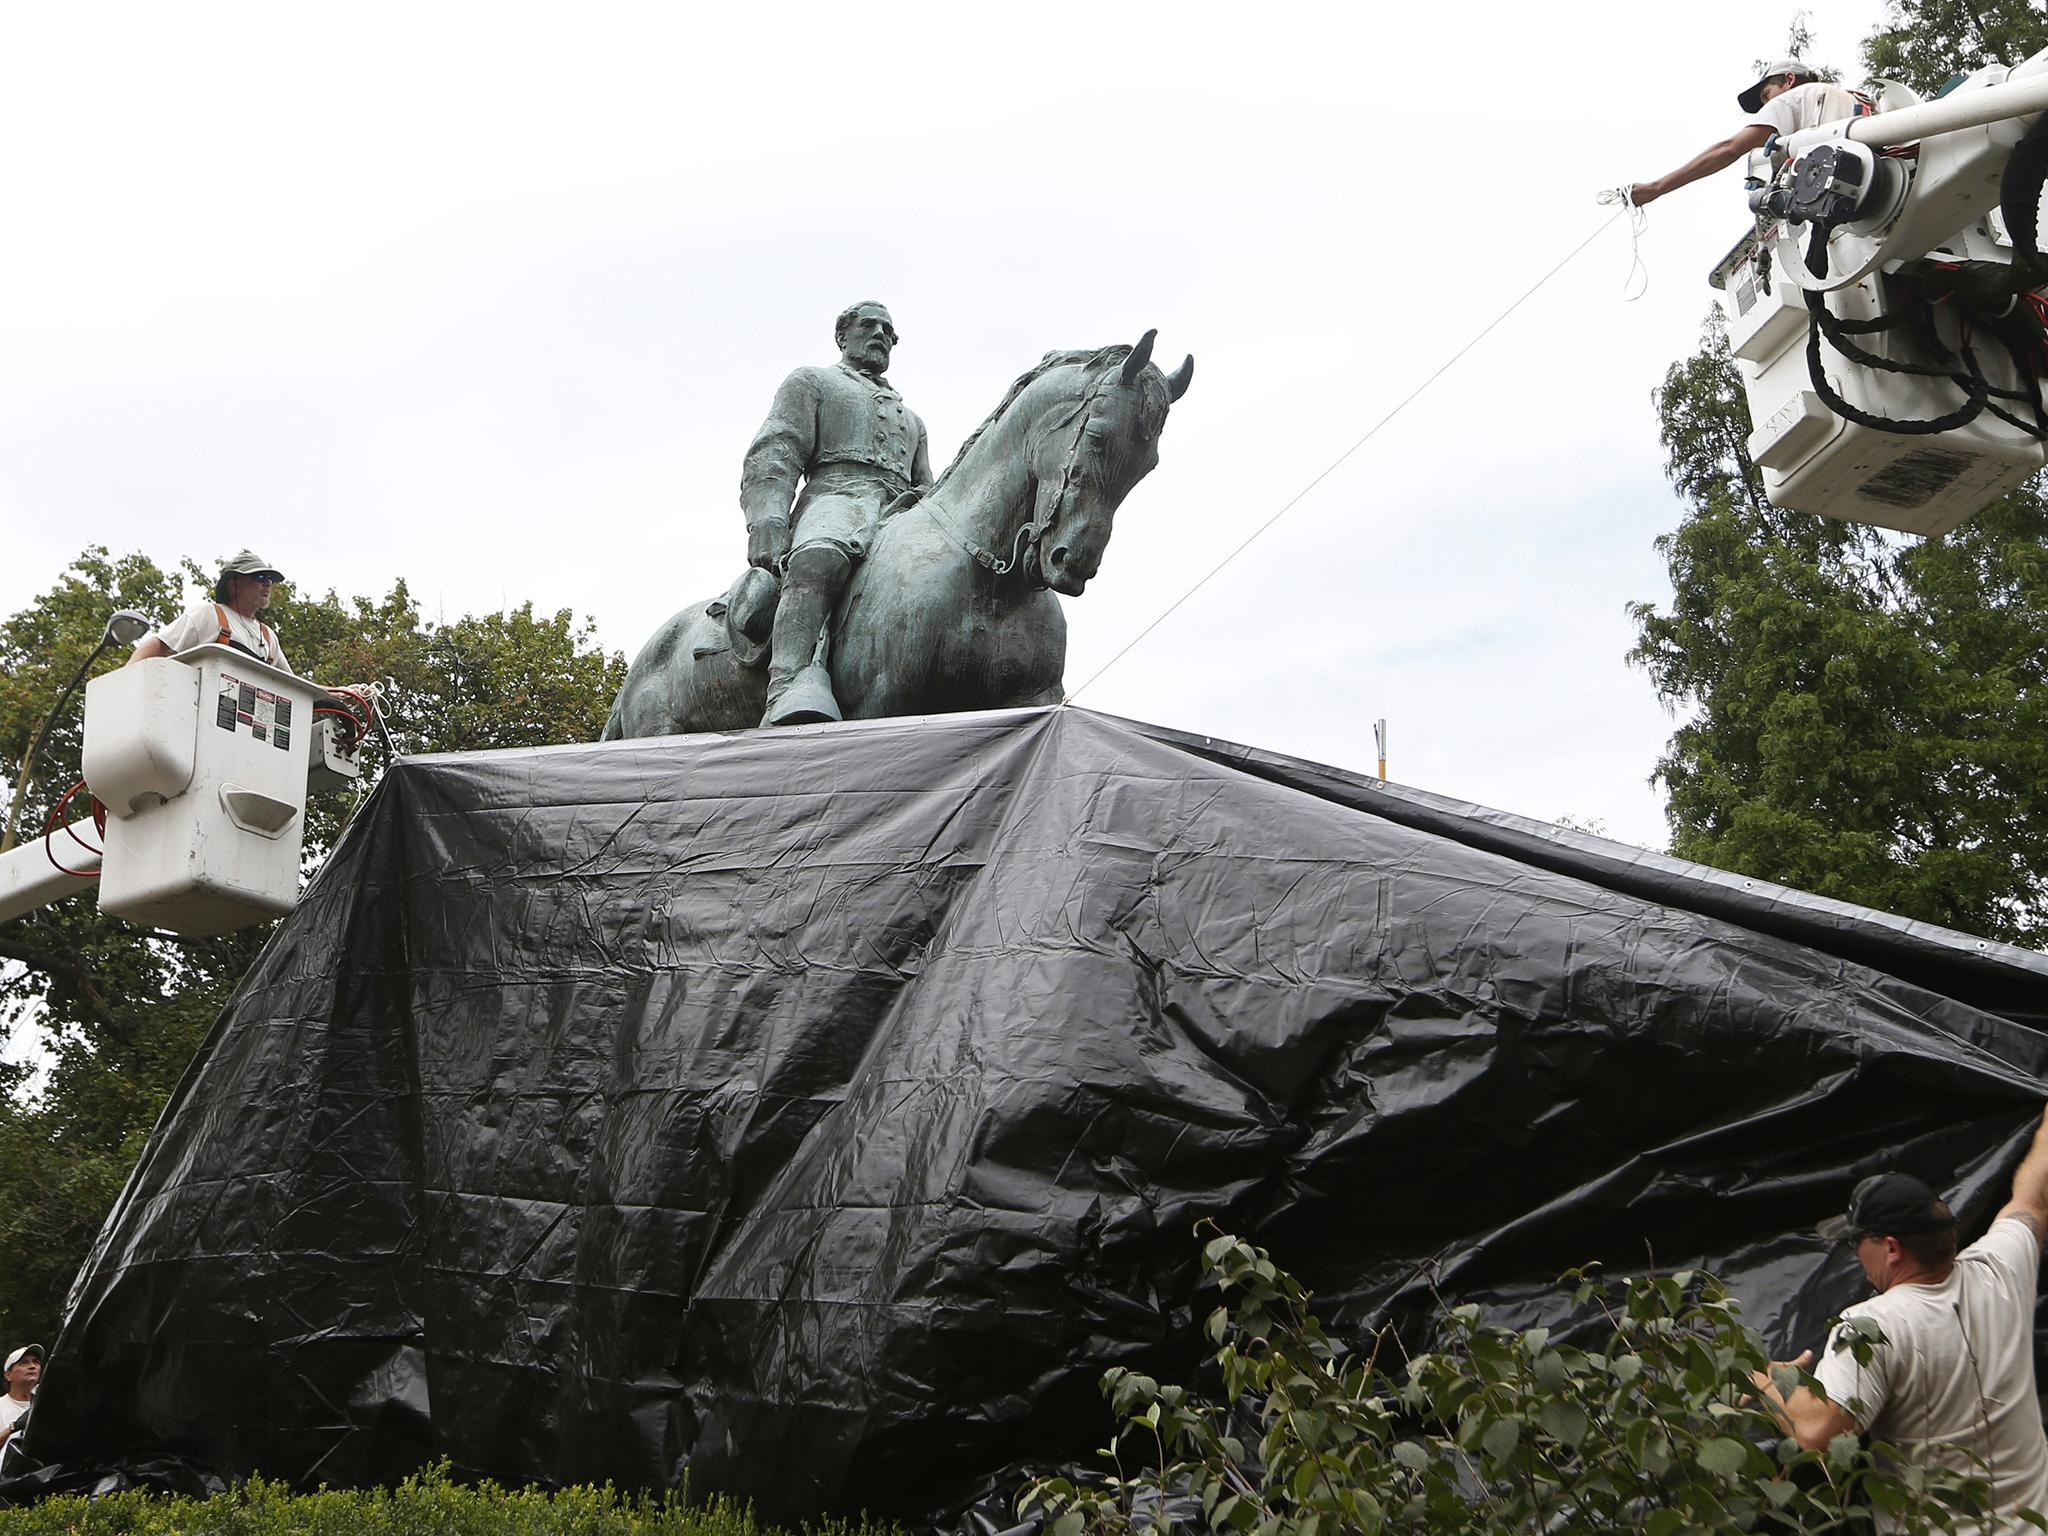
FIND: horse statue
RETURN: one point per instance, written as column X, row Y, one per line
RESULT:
column 954, row 606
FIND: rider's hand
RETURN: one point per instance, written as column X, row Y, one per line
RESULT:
column 767, row 542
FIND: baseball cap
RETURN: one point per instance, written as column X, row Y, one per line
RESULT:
column 1888, row 1204
column 1753, row 98
column 249, row 563
column 20, row 1355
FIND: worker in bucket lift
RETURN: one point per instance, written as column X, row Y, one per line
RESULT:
column 241, row 593
column 1787, row 98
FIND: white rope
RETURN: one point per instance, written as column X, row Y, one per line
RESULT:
column 1638, row 222
column 1286, row 506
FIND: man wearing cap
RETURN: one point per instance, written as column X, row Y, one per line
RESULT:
column 1953, row 1379
column 844, row 432
column 1787, row 98
column 24, row 1369
column 242, row 592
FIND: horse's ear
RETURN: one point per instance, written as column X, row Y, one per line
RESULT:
column 1177, row 382
column 1141, row 354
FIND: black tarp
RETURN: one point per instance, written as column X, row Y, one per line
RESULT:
column 821, row 1110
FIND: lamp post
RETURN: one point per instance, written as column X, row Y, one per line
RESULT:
column 124, row 627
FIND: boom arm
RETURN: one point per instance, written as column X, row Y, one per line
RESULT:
column 29, row 879
column 2024, row 93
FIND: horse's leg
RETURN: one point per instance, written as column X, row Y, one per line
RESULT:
column 1025, row 657
column 882, row 638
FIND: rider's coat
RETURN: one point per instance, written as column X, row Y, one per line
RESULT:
column 852, row 442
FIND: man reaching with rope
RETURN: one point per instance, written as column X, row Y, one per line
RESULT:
column 1787, row 98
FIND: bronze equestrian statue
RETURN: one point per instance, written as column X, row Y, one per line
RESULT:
column 900, row 596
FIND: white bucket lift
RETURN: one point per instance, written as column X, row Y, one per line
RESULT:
column 1880, row 317
column 202, row 762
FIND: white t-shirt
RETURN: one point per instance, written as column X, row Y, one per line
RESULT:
column 1956, row 1371
column 11, row 1409
column 1806, row 106
column 201, row 626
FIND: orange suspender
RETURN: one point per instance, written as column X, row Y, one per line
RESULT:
column 227, row 635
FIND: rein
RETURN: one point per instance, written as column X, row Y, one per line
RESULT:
column 1039, row 523
column 994, row 565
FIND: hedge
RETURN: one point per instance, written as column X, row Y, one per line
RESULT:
column 428, row 1502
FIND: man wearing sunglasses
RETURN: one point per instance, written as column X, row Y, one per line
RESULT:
column 1953, row 1378
column 241, row 593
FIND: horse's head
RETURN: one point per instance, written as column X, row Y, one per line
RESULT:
column 1087, row 459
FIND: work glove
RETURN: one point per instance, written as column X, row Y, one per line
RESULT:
column 767, row 542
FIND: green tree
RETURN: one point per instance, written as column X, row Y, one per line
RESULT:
column 115, row 1012
column 1861, row 714
column 1926, row 43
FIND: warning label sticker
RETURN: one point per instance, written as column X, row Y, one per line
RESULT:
column 267, row 715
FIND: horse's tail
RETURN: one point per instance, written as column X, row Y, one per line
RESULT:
column 615, row 722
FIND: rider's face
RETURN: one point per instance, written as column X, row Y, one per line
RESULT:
column 868, row 339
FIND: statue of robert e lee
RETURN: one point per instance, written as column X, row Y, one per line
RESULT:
column 847, row 435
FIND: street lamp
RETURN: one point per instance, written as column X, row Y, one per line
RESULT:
column 124, row 627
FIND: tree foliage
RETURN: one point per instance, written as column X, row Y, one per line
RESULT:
column 1654, row 1429
column 1927, row 43
column 113, row 1012
column 1862, row 715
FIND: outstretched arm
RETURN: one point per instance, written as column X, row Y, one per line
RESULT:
column 1743, row 141
column 2030, row 1184
column 1811, row 1420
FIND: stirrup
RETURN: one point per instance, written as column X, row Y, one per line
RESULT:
column 806, row 701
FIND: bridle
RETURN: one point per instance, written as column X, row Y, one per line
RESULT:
column 1042, row 519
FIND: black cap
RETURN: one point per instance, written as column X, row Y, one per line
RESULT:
column 1752, row 100
column 1887, row 1204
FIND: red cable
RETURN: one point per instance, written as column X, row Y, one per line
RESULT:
column 360, row 713
column 56, row 819
column 50, row 824
column 366, row 706
column 355, row 725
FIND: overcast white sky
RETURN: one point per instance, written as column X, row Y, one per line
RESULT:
column 492, row 298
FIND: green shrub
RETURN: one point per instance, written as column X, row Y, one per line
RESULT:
column 427, row 1504
column 1497, row 1431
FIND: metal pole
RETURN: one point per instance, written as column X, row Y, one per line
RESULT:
column 124, row 625
column 1379, row 740
column 28, row 758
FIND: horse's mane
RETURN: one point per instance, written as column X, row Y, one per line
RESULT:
column 1102, row 357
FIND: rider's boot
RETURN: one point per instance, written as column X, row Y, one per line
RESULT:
column 799, row 691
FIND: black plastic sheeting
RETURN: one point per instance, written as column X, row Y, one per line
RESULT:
column 821, row 1110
